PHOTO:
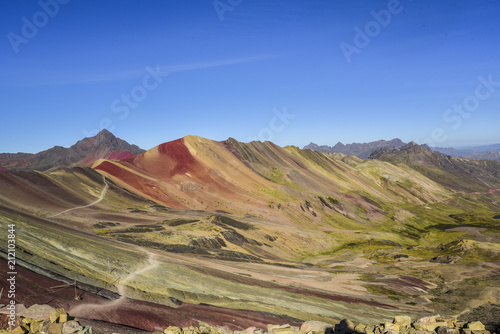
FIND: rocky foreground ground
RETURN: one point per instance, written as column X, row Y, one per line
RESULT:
column 44, row 319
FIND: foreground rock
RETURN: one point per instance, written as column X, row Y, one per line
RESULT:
column 42, row 319
column 400, row 325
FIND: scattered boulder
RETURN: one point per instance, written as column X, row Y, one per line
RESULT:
column 59, row 316
column 459, row 324
column 390, row 327
column 43, row 322
column 403, row 321
column 316, row 327
column 449, row 320
column 249, row 330
column 429, row 319
column 390, row 331
column 55, row 328
column 412, row 330
column 86, row 330
column 35, row 326
column 71, row 327
column 345, row 326
column 283, row 329
column 37, row 312
column 31, row 325
column 360, row 328
column 370, row 329
column 18, row 330
column 59, row 322
column 205, row 328
column 378, row 329
column 172, row 330
column 447, row 330
column 428, row 326
column 190, row 330
column 476, row 326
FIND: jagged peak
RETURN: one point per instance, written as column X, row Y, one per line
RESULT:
column 105, row 137
column 413, row 145
column 105, row 132
column 410, row 148
column 410, row 144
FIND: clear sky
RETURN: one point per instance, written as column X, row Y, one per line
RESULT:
column 292, row 72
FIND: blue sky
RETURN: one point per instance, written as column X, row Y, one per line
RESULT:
column 288, row 71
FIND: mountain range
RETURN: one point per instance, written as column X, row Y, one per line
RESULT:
column 106, row 146
column 198, row 225
column 474, row 152
column 359, row 150
column 456, row 173
column 364, row 150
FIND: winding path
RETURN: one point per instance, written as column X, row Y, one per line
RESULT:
column 83, row 309
column 103, row 193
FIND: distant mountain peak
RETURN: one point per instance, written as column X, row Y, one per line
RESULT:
column 82, row 153
column 105, row 132
column 361, row 150
column 410, row 148
column 413, row 144
column 460, row 174
column 488, row 152
column 311, row 146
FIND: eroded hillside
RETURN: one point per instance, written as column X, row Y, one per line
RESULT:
column 259, row 227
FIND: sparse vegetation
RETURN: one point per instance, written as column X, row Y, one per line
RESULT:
column 103, row 231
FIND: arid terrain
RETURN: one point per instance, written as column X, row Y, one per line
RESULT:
column 236, row 234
